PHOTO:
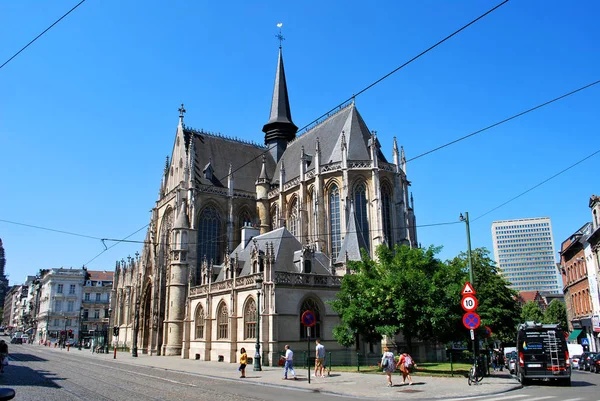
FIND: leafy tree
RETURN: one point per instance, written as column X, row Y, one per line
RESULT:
column 408, row 290
column 532, row 312
column 498, row 306
column 556, row 313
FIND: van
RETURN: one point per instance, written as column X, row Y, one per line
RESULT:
column 542, row 353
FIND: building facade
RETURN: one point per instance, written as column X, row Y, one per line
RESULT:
column 244, row 238
column 3, row 280
column 592, row 254
column 524, row 252
column 61, row 290
column 95, row 307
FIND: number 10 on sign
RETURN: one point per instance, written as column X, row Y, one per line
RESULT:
column 469, row 303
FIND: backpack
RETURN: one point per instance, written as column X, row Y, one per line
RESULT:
column 408, row 362
column 385, row 362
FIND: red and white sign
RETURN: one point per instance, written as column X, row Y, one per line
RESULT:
column 468, row 289
column 469, row 303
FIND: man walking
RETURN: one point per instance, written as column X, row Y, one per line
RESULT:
column 319, row 359
column 289, row 363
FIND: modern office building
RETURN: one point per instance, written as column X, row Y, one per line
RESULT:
column 524, row 252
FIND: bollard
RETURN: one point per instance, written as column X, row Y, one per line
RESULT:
column 68, row 347
column 357, row 362
column 115, row 355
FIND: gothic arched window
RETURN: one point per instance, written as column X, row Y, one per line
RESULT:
column 245, row 219
column 386, row 211
column 312, row 305
column 250, row 320
column 200, row 322
column 274, row 217
column 222, row 322
column 334, row 221
column 209, row 236
column 361, row 211
column 292, row 222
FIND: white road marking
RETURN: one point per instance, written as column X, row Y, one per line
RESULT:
column 505, row 397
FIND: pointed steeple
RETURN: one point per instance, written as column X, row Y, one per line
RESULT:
column 280, row 129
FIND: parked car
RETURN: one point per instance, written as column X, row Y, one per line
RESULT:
column 71, row 343
column 16, row 340
column 595, row 363
column 585, row 361
column 575, row 361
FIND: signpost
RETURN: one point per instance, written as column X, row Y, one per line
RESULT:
column 469, row 303
column 308, row 320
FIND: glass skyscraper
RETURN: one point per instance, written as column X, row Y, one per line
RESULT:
column 524, row 252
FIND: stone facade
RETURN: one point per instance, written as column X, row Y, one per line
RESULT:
column 244, row 238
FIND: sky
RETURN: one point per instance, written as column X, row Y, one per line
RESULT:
column 88, row 112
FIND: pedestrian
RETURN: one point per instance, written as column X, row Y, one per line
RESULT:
column 388, row 364
column 289, row 363
column 243, row 362
column 3, row 355
column 319, row 359
column 406, row 364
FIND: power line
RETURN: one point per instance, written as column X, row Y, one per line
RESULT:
column 49, row 229
column 407, row 63
column 381, row 79
column 539, row 184
column 506, row 120
column 115, row 244
column 46, row 30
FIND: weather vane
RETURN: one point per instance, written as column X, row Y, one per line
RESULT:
column 279, row 35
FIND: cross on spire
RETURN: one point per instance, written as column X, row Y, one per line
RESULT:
column 181, row 111
column 279, row 35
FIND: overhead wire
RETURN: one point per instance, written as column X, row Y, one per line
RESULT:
column 45, row 30
column 537, row 185
column 316, row 120
column 506, row 120
column 115, row 244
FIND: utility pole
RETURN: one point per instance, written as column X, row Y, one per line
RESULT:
column 465, row 218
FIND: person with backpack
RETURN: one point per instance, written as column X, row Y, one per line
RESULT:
column 406, row 365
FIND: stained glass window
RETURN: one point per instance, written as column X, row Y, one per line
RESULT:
column 360, row 209
column 250, row 320
column 334, row 221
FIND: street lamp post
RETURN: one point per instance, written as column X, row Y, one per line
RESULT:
column 65, row 333
column 136, row 323
column 258, row 283
column 465, row 218
column 80, row 331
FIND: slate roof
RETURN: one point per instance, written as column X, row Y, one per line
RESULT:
column 353, row 241
column 220, row 151
column 284, row 246
column 329, row 133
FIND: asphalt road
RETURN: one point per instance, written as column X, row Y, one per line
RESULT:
column 41, row 374
column 584, row 387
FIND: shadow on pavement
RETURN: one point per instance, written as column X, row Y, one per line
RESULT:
column 15, row 376
column 26, row 358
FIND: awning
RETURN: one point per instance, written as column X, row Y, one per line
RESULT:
column 574, row 334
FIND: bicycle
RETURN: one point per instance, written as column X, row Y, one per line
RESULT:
column 476, row 373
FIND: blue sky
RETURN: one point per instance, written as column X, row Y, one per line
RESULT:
column 88, row 112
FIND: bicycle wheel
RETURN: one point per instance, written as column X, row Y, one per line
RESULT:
column 471, row 378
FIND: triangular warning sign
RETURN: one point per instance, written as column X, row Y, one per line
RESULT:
column 468, row 289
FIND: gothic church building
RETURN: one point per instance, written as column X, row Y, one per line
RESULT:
column 244, row 238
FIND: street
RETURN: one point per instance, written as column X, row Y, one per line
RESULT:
column 584, row 388
column 38, row 373
column 41, row 373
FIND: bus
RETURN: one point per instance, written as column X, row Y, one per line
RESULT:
column 542, row 353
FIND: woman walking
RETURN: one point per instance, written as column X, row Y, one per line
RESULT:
column 406, row 365
column 3, row 355
column 243, row 362
column 388, row 364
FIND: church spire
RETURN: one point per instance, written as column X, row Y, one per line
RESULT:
column 280, row 129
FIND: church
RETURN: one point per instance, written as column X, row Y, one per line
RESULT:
column 244, row 237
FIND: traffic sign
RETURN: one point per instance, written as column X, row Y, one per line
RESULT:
column 471, row 320
column 308, row 318
column 585, row 341
column 468, row 289
column 469, row 303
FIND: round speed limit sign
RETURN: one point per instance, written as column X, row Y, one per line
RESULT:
column 469, row 303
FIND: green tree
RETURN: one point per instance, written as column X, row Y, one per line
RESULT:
column 498, row 306
column 532, row 312
column 556, row 313
column 408, row 290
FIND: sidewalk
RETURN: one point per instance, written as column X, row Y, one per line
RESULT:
column 363, row 386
